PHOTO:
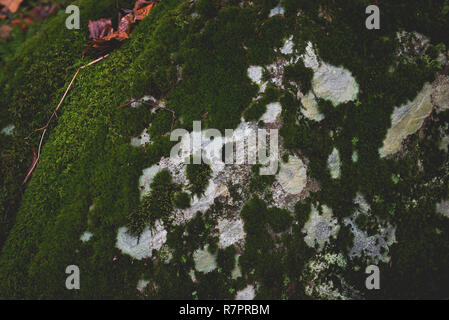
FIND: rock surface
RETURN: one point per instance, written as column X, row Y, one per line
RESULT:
column 310, row 107
column 86, row 236
column 320, row 227
column 204, row 260
column 373, row 248
column 293, row 176
column 406, row 120
column 142, row 247
column 231, row 232
column 443, row 208
column 334, row 164
column 246, row 294
column 329, row 82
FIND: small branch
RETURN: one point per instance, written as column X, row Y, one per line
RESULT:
column 156, row 107
column 44, row 128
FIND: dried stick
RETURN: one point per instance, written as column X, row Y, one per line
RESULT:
column 155, row 109
column 44, row 128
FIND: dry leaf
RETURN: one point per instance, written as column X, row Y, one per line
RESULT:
column 100, row 29
column 42, row 11
column 5, row 32
column 141, row 13
column 11, row 5
column 126, row 23
column 102, row 34
column 22, row 22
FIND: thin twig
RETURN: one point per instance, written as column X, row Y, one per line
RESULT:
column 153, row 106
column 65, row 94
column 44, row 128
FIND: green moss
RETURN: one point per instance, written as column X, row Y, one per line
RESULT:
column 198, row 176
column 86, row 158
column 182, row 200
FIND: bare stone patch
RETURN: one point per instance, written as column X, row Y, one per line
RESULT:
column 142, row 247
column 204, row 260
column 231, row 232
column 246, row 294
column 320, row 227
column 374, row 248
column 334, row 164
column 443, row 208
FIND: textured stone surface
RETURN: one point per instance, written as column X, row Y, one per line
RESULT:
column 86, row 236
column 8, row 130
column 374, row 248
column 273, row 112
column 231, row 232
column 310, row 108
column 141, row 140
column 141, row 284
column 406, row 120
column 246, row 294
column 141, row 247
column 440, row 94
column 204, row 260
column 316, row 276
column 278, row 10
column 329, row 82
column 320, row 227
column 293, row 175
column 443, row 208
column 334, row 164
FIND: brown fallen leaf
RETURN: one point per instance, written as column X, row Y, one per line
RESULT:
column 3, row 14
column 11, row 5
column 102, row 34
column 140, row 14
column 5, row 32
column 100, row 29
column 126, row 23
column 42, row 11
column 23, row 22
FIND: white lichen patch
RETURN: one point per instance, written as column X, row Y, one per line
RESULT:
column 278, row 10
column 8, row 130
column 292, row 175
column 310, row 107
column 334, row 164
column 141, row 140
column 146, row 99
column 375, row 247
column 406, row 120
column 142, row 247
column 204, row 260
column 246, row 294
column 273, row 112
column 231, row 232
column 147, row 178
column 255, row 74
column 204, row 202
column 319, row 283
column 440, row 96
column 288, row 46
column 355, row 156
column 86, row 236
column 444, row 143
column 142, row 284
column 236, row 272
column 331, row 83
column 443, row 208
column 276, row 71
column 320, row 227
